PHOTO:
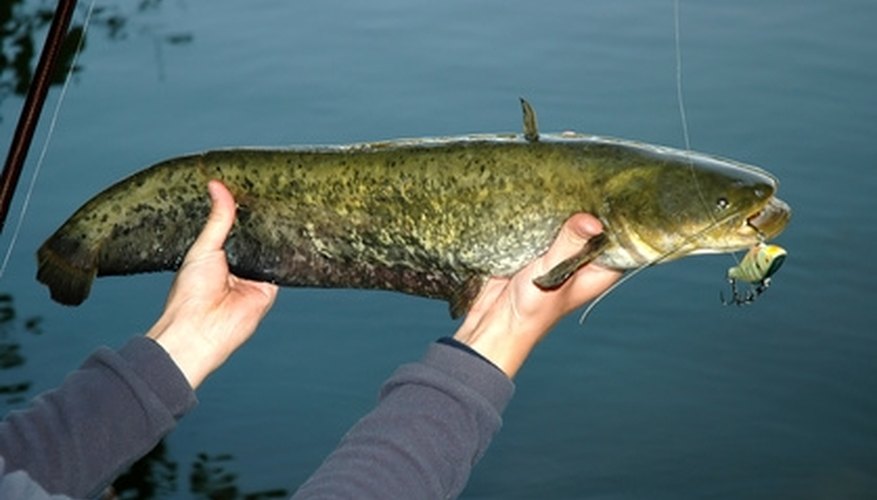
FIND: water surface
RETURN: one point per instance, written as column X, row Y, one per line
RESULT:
column 664, row 393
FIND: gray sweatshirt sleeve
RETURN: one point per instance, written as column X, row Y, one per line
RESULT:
column 432, row 424
column 74, row 440
column 434, row 421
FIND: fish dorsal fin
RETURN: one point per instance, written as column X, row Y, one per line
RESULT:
column 465, row 295
column 531, row 128
column 558, row 274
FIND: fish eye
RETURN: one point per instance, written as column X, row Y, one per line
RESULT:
column 722, row 203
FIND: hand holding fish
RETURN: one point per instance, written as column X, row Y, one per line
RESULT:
column 210, row 312
column 511, row 315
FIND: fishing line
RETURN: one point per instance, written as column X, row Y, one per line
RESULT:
column 683, row 116
column 50, row 131
column 679, row 99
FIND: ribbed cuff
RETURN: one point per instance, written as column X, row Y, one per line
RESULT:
column 473, row 370
column 156, row 368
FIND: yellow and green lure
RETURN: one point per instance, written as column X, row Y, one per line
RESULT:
column 758, row 265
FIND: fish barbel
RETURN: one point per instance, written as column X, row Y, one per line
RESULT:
column 433, row 217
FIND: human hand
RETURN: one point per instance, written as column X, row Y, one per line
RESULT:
column 210, row 312
column 511, row 315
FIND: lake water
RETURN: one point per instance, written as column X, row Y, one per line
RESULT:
column 663, row 393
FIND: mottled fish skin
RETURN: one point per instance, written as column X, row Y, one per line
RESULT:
column 430, row 217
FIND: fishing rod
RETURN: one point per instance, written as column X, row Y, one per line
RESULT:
column 33, row 105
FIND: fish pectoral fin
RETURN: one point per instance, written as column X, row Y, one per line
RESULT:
column 463, row 297
column 558, row 274
column 531, row 129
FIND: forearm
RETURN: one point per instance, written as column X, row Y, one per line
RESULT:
column 114, row 409
column 434, row 421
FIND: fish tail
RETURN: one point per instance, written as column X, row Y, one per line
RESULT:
column 68, row 283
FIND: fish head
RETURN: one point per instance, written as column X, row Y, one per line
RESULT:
column 697, row 204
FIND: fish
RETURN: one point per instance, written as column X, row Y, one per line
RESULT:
column 433, row 217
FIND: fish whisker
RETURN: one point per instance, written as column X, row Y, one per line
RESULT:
column 657, row 260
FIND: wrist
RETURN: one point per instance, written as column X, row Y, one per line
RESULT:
column 507, row 347
column 186, row 351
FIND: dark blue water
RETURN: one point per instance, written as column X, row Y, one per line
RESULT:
column 663, row 393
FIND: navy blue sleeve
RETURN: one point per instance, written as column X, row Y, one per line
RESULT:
column 76, row 439
column 433, row 422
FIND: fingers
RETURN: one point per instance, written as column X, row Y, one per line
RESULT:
column 573, row 235
column 588, row 281
column 220, row 220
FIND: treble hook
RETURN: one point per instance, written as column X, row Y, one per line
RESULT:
column 739, row 298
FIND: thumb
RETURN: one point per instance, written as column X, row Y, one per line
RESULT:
column 220, row 220
column 573, row 236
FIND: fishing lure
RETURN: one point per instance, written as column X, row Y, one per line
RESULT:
column 758, row 265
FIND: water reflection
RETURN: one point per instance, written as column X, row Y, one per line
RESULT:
column 156, row 476
column 153, row 476
column 22, row 31
column 210, row 478
column 13, row 383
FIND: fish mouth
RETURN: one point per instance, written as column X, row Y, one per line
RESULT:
column 771, row 219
